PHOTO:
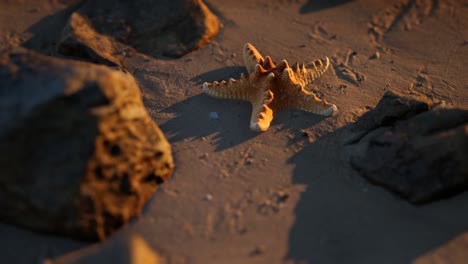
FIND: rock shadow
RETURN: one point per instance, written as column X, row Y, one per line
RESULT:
column 317, row 5
column 295, row 120
column 47, row 31
column 342, row 218
column 24, row 246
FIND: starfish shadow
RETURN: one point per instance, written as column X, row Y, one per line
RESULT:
column 219, row 74
column 195, row 119
column 317, row 5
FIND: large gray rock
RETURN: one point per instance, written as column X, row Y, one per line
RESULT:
column 80, row 155
column 419, row 153
column 101, row 30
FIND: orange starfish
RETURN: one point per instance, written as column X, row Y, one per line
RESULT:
column 271, row 88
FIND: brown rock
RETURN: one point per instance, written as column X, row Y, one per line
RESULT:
column 101, row 30
column 392, row 107
column 422, row 156
column 80, row 156
column 131, row 251
column 80, row 39
column 453, row 252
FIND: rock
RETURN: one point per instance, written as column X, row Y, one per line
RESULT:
column 134, row 250
column 453, row 252
column 375, row 56
column 103, row 30
column 208, row 197
column 80, row 155
column 259, row 250
column 420, row 154
column 81, row 40
column 391, row 108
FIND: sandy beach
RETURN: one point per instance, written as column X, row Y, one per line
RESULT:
column 287, row 195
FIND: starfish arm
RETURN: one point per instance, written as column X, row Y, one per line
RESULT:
column 262, row 115
column 251, row 57
column 309, row 102
column 234, row 89
column 307, row 73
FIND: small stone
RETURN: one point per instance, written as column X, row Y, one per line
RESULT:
column 214, row 116
column 208, row 197
column 281, row 197
column 243, row 230
column 259, row 250
column 375, row 56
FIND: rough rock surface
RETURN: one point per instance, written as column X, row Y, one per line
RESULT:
column 80, row 156
column 102, row 30
column 453, row 252
column 419, row 153
column 391, row 108
column 133, row 250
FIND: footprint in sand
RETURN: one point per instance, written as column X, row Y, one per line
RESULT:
column 433, row 86
column 403, row 15
column 320, row 34
column 341, row 65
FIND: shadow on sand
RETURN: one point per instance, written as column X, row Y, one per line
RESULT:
column 25, row 246
column 220, row 74
column 193, row 121
column 341, row 218
column 47, row 31
column 317, row 5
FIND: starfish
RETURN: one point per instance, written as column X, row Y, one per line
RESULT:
column 271, row 88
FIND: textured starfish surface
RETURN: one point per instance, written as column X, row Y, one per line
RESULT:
column 271, row 88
